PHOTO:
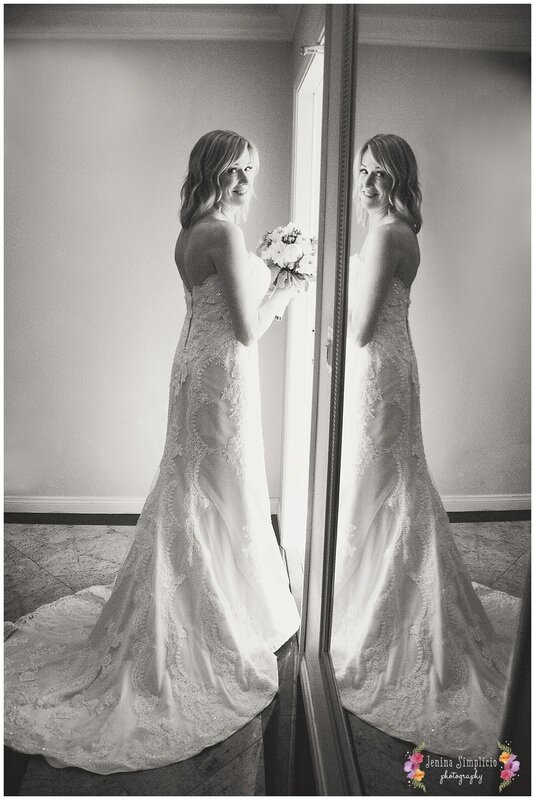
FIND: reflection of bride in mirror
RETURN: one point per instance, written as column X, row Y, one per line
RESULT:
column 413, row 645
column 179, row 653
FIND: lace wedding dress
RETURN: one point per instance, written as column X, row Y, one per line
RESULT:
column 414, row 651
column 178, row 653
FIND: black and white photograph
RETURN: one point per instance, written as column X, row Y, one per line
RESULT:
column 267, row 373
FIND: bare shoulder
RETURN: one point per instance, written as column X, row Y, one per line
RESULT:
column 216, row 234
column 403, row 232
column 392, row 234
column 382, row 246
column 391, row 249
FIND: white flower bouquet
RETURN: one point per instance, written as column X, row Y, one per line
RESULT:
column 291, row 254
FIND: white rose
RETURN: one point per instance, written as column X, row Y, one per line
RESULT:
column 307, row 265
column 292, row 253
column 306, row 244
column 276, row 253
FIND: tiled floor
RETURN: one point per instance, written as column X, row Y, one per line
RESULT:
column 497, row 555
column 44, row 562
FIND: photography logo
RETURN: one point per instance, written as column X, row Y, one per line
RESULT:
column 412, row 767
column 463, row 771
column 509, row 765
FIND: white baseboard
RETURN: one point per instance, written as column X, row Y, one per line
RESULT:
column 84, row 505
column 487, row 502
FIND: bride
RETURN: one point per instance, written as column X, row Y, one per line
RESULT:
column 179, row 653
column 414, row 650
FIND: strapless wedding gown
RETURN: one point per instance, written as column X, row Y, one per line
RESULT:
column 178, row 653
column 418, row 651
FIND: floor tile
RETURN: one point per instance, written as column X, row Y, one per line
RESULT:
column 380, row 774
column 27, row 585
column 287, row 661
column 279, row 720
column 185, row 777
column 14, row 768
column 513, row 580
column 279, row 752
column 78, row 555
column 243, row 776
column 42, row 779
column 268, row 713
column 367, row 735
column 490, row 548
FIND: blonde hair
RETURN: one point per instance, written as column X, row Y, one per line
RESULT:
column 397, row 159
column 214, row 153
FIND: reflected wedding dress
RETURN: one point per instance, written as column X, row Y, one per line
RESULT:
column 178, row 653
column 414, row 650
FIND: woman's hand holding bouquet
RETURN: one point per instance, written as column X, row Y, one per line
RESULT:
column 290, row 253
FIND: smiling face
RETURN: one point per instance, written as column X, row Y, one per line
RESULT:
column 237, row 182
column 373, row 184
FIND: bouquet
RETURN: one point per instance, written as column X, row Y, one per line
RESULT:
column 290, row 253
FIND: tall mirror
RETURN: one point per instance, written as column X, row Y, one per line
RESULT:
column 432, row 533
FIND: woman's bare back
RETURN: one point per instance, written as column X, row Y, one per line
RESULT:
column 193, row 251
column 409, row 254
column 407, row 251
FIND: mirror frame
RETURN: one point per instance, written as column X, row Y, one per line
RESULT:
column 335, row 767
column 333, row 754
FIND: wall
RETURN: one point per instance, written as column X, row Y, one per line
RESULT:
column 96, row 144
column 467, row 117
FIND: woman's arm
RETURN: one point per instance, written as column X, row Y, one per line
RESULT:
column 231, row 261
column 375, row 276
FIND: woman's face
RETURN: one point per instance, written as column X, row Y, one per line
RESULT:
column 237, row 182
column 373, row 184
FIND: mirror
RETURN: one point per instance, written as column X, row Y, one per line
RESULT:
column 423, row 610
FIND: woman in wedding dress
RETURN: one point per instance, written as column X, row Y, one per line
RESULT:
column 179, row 653
column 414, row 650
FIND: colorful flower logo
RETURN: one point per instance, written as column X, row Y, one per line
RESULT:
column 509, row 765
column 412, row 768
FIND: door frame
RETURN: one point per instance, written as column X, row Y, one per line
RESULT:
column 300, row 325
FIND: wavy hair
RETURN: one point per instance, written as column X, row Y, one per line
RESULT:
column 397, row 159
column 214, row 153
